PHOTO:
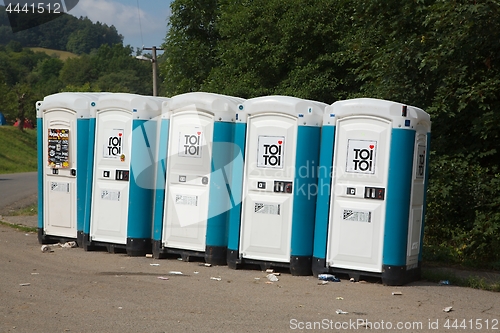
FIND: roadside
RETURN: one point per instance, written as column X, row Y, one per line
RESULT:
column 25, row 219
column 71, row 290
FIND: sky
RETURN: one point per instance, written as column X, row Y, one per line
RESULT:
column 140, row 22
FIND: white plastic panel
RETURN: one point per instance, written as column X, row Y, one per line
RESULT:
column 267, row 202
column 187, row 181
column 111, row 162
column 59, row 152
column 357, row 207
column 417, row 198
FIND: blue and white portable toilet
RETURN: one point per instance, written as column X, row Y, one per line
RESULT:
column 62, row 133
column 123, row 165
column 371, row 221
column 193, row 197
column 274, row 225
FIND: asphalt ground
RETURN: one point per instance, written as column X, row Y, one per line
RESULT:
column 71, row 290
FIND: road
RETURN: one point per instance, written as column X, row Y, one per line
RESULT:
column 17, row 190
column 71, row 290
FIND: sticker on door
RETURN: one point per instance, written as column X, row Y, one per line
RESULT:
column 183, row 199
column 361, row 155
column 110, row 195
column 190, row 142
column 58, row 147
column 357, row 215
column 113, row 147
column 270, row 152
column 266, row 208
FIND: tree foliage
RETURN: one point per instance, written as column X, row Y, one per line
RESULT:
column 27, row 76
column 190, row 45
column 442, row 56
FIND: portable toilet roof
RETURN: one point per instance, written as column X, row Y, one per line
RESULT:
column 309, row 113
column 402, row 115
column 142, row 107
column 223, row 107
column 77, row 102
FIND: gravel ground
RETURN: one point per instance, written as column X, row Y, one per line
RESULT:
column 70, row 290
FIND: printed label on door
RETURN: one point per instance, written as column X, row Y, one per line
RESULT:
column 59, row 187
column 357, row 215
column 420, row 171
column 266, row 208
column 110, row 195
column 190, row 200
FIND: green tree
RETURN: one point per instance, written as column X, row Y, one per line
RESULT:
column 190, row 45
column 443, row 56
column 109, row 68
column 289, row 48
column 78, row 71
column 7, row 100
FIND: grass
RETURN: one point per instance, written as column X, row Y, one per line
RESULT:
column 31, row 210
column 63, row 55
column 18, row 151
column 19, row 227
column 470, row 280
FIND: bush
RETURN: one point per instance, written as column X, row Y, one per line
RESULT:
column 463, row 218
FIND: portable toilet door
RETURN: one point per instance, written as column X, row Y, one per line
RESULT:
column 371, row 221
column 198, row 129
column 279, row 184
column 123, row 173
column 62, row 130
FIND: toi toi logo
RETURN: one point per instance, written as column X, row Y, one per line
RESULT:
column 114, row 146
column 363, row 159
column 421, row 161
column 270, row 151
column 272, row 154
column 190, row 145
column 25, row 15
column 361, row 156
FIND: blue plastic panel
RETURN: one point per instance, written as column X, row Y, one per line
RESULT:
column 219, row 203
column 324, row 191
column 140, row 212
column 39, row 138
column 305, row 190
column 82, row 147
column 398, row 197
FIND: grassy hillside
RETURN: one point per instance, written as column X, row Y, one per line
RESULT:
column 17, row 150
column 63, row 55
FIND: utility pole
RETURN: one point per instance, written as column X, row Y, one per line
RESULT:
column 155, row 67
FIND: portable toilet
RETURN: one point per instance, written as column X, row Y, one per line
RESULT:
column 62, row 134
column 123, row 164
column 371, row 221
column 193, row 195
column 274, row 226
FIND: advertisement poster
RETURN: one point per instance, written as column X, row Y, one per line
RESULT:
column 58, row 144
